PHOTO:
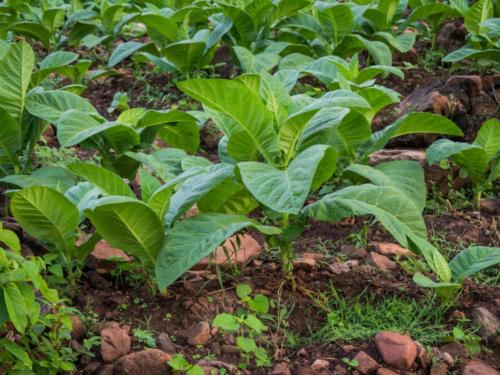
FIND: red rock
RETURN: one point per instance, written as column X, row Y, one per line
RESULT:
column 489, row 324
column 78, row 328
column 381, row 261
column 471, row 84
column 320, row 365
column 281, row 369
column 101, row 258
column 352, row 252
column 483, row 105
column 455, row 349
column 249, row 249
column 304, row 263
column 423, row 357
column 166, row 344
column 478, row 368
column 391, row 249
column 199, row 334
column 386, row 371
column 150, row 362
column 306, row 371
column 115, row 342
column 397, row 350
column 440, row 369
column 366, row 364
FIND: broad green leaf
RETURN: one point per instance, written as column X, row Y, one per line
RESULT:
column 47, row 215
column 81, row 195
column 195, row 238
column 51, row 104
column 404, row 175
column 342, row 128
column 195, row 188
column 473, row 159
column 32, row 30
column 228, row 197
column 488, row 137
column 10, row 239
column 108, row 182
column 184, row 135
column 412, row 123
column 57, row 178
column 242, row 105
column 336, row 19
column 149, row 184
column 16, row 307
column 471, row 53
column 16, row 351
column 285, row 190
column 395, row 211
column 478, row 12
column 123, row 51
column 186, row 55
column 446, row 287
column 472, row 260
column 10, row 138
column 254, row 63
column 75, row 127
column 352, row 44
column 15, row 75
column 130, row 225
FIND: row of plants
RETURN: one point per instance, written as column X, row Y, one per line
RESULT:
column 281, row 145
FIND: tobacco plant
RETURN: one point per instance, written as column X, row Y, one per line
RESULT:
column 26, row 110
column 480, row 160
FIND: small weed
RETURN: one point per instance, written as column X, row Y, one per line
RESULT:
column 144, row 337
column 364, row 316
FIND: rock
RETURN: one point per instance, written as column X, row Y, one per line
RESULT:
column 384, row 156
column 425, row 99
column 489, row 324
column 249, row 249
column 391, row 249
column 78, row 328
column 339, row 370
column 338, row 268
column 381, row 261
column 166, row 344
column 455, row 349
column 199, row 334
column 305, row 371
column 320, row 365
column 491, row 206
column 423, row 357
column 304, row 263
column 386, row 371
column 106, row 370
column 397, row 350
column 281, row 369
column 352, row 252
column 367, row 364
column 101, row 258
column 483, row 105
column 478, row 368
column 471, row 84
column 115, row 342
column 348, row 348
column 150, row 362
column 439, row 369
column 446, row 358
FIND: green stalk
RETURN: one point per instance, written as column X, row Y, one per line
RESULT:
column 286, row 249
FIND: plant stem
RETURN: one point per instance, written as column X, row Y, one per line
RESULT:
column 286, row 249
